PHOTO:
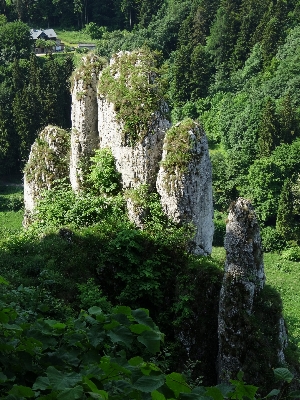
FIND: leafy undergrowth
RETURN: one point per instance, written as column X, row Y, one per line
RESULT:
column 284, row 276
column 11, row 209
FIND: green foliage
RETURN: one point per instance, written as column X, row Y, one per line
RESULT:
column 285, row 217
column 95, row 31
column 272, row 240
column 104, row 177
column 61, row 206
column 94, row 355
column 291, row 254
column 179, row 145
column 132, row 84
column 15, row 41
column 90, row 293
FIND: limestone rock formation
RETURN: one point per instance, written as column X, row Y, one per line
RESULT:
column 243, row 281
column 184, row 182
column 84, row 114
column 48, row 161
column 133, row 127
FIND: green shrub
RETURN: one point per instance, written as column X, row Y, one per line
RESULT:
column 104, row 177
column 272, row 240
column 90, row 293
column 291, row 254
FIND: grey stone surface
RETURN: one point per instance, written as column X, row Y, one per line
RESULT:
column 48, row 161
column 186, row 196
column 84, row 115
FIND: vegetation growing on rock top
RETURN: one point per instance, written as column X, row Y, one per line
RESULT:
column 132, row 83
column 50, row 157
column 90, row 65
column 179, row 147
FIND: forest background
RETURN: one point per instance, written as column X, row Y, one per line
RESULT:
column 234, row 65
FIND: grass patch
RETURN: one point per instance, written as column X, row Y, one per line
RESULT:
column 71, row 38
column 284, row 276
column 11, row 209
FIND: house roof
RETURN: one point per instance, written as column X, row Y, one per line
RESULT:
column 42, row 33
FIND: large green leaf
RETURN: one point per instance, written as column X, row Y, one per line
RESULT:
column 283, row 374
column 177, row 383
column 139, row 328
column 75, row 393
column 22, row 391
column 3, row 281
column 215, row 393
column 121, row 334
column 55, row 324
column 157, row 396
column 151, row 340
column 3, row 378
column 95, row 310
column 96, row 335
column 122, row 310
column 149, row 383
column 60, row 380
column 142, row 317
column 273, row 393
column 42, row 383
column 242, row 390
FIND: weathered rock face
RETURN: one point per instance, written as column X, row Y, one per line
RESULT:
column 243, row 278
column 138, row 163
column 184, row 182
column 243, row 281
column 132, row 131
column 48, row 161
column 84, row 114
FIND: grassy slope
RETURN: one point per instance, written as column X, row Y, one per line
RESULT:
column 284, row 276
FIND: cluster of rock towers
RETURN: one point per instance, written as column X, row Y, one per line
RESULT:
column 184, row 186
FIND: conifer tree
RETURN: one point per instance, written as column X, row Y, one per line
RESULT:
column 285, row 215
column 267, row 132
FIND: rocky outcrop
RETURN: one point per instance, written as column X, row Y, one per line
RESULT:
column 48, row 161
column 243, row 282
column 184, row 182
column 120, row 106
column 84, row 114
column 133, row 127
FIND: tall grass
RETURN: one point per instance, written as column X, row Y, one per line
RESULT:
column 71, row 38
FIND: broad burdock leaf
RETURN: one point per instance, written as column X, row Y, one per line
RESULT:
column 155, row 395
column 142, row 317
column 95, row 310
column 273, row 392
column 75, row 393
column 149, row 383
column 177, row 384
column 22, row 391
column 215, row 393
column 41, row 383
column 60, row 380
column 151, row 340
column 121, row 334
column 138, row 328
